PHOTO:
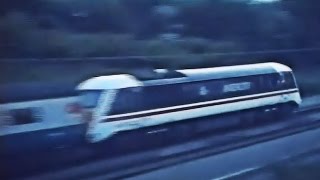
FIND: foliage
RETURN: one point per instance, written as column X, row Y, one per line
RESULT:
column 47, row 28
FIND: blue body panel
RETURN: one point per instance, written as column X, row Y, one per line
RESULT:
column 42, row 141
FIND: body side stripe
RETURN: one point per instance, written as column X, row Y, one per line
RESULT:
column 196, row 105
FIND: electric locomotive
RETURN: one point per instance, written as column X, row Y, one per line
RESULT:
column 126, row 103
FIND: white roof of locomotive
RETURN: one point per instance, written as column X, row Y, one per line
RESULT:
column 235, row 71
column 126, row 81
column 109, row 82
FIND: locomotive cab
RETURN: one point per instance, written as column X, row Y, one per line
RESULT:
column 96, row 97
column 89, row 101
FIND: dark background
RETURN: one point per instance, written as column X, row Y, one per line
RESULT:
column 59, row 40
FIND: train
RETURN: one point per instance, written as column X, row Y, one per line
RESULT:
column 174, row 103
column 186, row 102
column 38, row 117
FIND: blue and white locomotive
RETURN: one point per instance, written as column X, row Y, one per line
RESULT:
column 124, row 103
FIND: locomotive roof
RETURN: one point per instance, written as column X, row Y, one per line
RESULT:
column 235, row 71
column 222, row 72
column 125, row 81
column 110, row 82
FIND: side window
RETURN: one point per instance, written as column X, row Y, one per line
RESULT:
column 254, row 86
column 281, row 81
column 126, row 101
column 266, row 83
column 5, row 118
column 277, row 81
column 169, row 95
column 89, row 99
column 159, row 96
column 290, row 83
column 24, row 116
column 117, row 105
column 271, row 82
column 285, row 81
column 147, row 98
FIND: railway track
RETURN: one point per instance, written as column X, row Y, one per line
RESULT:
column 306, row 119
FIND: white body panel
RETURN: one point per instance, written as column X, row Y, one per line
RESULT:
column 101, row 130
column 52, row 111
